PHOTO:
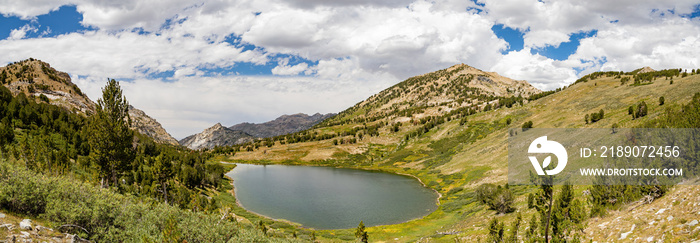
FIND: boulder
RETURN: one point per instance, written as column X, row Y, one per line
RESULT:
column 26, row 224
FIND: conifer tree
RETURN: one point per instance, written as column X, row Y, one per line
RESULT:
column 110, row 137
column 361, row 233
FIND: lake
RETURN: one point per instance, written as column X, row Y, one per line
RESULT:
column 330, row 198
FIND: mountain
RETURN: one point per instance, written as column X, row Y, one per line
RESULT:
column 437, row 93
column 216, row 135
column 35, row 78
column 450, row 129
column 148, row 126
column 284, row 124
column 38, row 79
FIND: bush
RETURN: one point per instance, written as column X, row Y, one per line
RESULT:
column 106, row 215
column 641, row 109
column 495, row 197
column 596, row 116
column 527, row 125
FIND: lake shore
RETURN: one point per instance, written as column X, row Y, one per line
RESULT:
column 378, row 170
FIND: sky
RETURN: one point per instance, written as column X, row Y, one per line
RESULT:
column 191, row 64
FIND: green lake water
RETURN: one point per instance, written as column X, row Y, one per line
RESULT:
column 330, row 198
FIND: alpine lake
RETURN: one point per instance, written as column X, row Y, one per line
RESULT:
column 330, row 198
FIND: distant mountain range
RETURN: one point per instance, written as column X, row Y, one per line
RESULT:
column 284, row 124
column 38, row 79
column 219, row 135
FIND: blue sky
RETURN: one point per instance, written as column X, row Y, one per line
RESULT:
column 192, row 63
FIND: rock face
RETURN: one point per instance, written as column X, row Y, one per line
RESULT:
column 148, row 126
column 35, row 78
column 285, row 124
column 216, row 135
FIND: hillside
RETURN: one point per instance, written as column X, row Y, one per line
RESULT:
column 453, row 137
column 437, row 93
column 216, row 135
column 38, row 79
column 282, row 125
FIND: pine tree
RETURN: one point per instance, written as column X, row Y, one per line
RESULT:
column 361, row 233
column 162, row 170
column 110, row 136
column 495, row 231
column 544, row 202
column 516, row 227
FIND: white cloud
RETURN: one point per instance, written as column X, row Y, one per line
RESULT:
column 29, row 9
column 283, row 68
column 671, row 43
column 126, row 54
column 547, row 22
column 20, row 33
column 402, row 41
column 541, row 72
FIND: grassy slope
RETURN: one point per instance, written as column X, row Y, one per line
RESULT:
column 454, row 159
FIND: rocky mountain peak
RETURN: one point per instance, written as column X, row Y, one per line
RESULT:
column 216, row 135
column 217, row 126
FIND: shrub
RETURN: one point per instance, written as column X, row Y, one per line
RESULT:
column 641, row 109
column 108, row 216
column 495, row 197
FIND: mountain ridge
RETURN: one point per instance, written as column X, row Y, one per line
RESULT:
column 38, row 79
column 245, row 132
column 282, row 125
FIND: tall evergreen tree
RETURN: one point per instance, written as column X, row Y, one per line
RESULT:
column 109, row 134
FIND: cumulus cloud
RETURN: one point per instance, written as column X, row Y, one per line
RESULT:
column 21, row 32
column 283, row 68
column 126, row 54
column 31, row 8
column 551, row 22
column 402, row 41
column 541, row 72
column 671, row 43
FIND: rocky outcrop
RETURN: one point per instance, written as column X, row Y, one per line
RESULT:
column 646, row 70
column 216, row 135
column 148, row 126
column 285, row 124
